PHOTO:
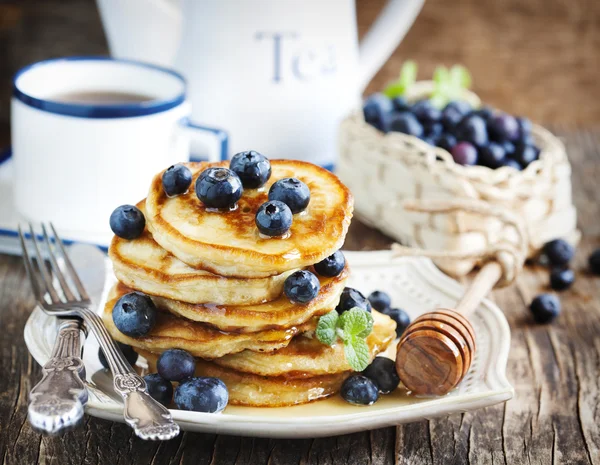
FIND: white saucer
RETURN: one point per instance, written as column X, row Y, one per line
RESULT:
column 415, row 284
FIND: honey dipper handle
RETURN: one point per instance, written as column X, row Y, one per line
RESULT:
column 481, row 286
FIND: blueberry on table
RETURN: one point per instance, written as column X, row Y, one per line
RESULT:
column 446, row 141
column 176, row 180
column 473, row 129
column 273, row 218
column 406, row 123
column 525, row 154
column 426, row 112
column 380, row 300
column 359, row 390
column 291, row 191
column 208, row 395
column 176, row 365
column 219, row 188
column 159, row 388
column 512, row 164
column 561, row 278
column 464, row 153
column 375, row 107
column 492, row 155
column 301, row 287
column 594, row 261
column 134, row 314
column 401, row 318
column 545, row 308
column 331, row 266
column 382, row 371
column 130, row 355
column 558, row 252
column 504, row 127
column 351, row 298
column 253, row 168
column 400, row 104
column 127, row 222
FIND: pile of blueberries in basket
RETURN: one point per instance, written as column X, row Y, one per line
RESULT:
column 474, row 136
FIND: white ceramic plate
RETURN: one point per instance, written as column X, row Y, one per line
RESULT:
column 415, row 284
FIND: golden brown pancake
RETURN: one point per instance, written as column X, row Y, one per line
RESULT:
column 228, row 243
column 200, row 340
column 144, row 265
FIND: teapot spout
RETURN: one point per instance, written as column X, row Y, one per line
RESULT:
column 143, row 30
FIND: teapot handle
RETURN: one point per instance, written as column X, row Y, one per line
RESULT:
column 384, row 36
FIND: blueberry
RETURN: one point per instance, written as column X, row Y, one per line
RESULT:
column 473, row 129
column 486, row 113
column 524, row 127
column 291, row 191
column 134, row 314
column 301, row 287
column 159, row 388
column 332, row 265
column 127, row 222
column 400, row 104
column 351, row 298
column 492, row 155
column 451, row 117
column 425, row 112
column 461, row 106
column 446, row 141
column 176, row 180
column 525, row 154
column 219, row 188
column 359, row 390
column 253, row 168
column 406, row 123
column 464, row 153
column 512, row 163
column 509, row 147
column 545, row 308
column 504, row 127
column 429, row 140
column 375, row 107
column 207, row 395
column 380, row 301
column 561, row 278
column 176, row 365
column 558, row 252
column 273, row 218
column 130, row 355
column 433, row 129
column 594, row 261
column 400, row 317
column 382, row 371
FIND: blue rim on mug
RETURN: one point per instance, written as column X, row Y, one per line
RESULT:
column 124, row 110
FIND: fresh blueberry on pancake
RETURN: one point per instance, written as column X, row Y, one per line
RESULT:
column 176, row 180
column 291, row 191
column 273, row 218
column 332, row 265
column 351, row 298
column 400, row 317
column 253, row 168
column 176, row 365
column 207, row 395
column 219, row 188
column 359, row 390
column 159, row 388
column 130, row 355
column 301, row 287
column 127, row 222
column 134, row 314
column 382, row 371
column 380, row 300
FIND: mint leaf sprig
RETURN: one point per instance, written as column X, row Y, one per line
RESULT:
column 449, row 84
column 408, row 76
column 352, row 327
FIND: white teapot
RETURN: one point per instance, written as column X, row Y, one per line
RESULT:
column 278, row 75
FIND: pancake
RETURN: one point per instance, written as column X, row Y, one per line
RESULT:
column 200, row 340
column 277, row 314
column 259, row 391
column 143, row 265
column 307, row 357
column 228, row 243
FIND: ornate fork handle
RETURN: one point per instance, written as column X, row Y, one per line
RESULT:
column 148, row 418
column 57, row 401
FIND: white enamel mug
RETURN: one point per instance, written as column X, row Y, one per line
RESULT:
column 76, row 162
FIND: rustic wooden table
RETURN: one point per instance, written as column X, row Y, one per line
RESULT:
column 555, row 369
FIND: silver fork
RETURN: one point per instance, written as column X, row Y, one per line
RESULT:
column 148, row 418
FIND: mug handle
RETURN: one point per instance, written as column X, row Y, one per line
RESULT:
column 215, row 142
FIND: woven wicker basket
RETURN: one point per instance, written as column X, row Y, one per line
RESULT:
column 385, row 170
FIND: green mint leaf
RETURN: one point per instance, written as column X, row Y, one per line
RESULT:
column 395, row 89
column 408, row 74
column 355, row 323
column 441, row 76
column 460, row 77
column 356, row 351
column 326, row 328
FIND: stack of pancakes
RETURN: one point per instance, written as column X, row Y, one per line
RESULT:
column 218, row 285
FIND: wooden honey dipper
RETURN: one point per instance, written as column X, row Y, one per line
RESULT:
column 436, row 350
